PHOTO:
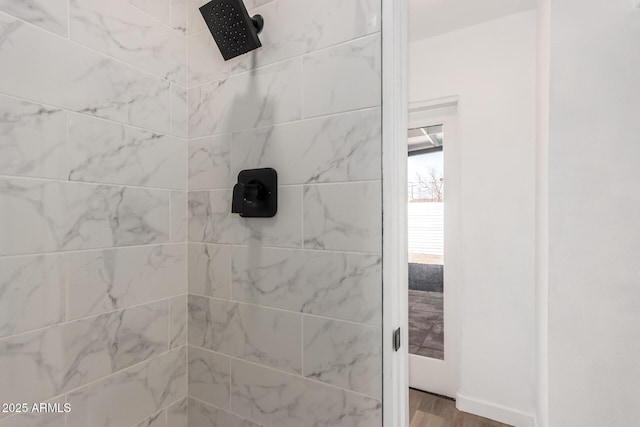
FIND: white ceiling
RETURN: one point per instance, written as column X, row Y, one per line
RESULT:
column 428, row 18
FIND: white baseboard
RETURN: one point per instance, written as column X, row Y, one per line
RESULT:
column 495, row 412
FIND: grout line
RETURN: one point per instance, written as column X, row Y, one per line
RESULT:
column 82, row 251
column 90, row 317
column 89, row 48
column 281, row 61
column 71, row 112
column 256, row 364
column 228, row 411
column 89, row 183
column 284, row 310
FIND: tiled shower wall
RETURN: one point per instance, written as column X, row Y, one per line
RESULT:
column 93, row 180
column 285, row 313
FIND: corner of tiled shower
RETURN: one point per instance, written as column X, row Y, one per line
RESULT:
column 127, row 288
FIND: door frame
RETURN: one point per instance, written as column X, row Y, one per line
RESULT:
column 433, row 375
column 395, row 46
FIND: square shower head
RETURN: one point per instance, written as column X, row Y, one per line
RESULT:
column 234, row 31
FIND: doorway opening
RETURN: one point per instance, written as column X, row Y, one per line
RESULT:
column 432, row 191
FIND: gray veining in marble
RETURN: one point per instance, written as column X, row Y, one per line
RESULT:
column 179, row 15
column 338, row 285
column 343, row 354
column 177, row 414
column 230, row 105
column 210, row 270
column 179, row 213
column 343, row 147
column 159, row 419
column 209, row 377
column 211, row 220
column 335, row 222
column 32, row 293
column 33, row 139
column 276, row 399
column 48, row 362
column 178, row 321
column 179, row 112
column 106, row 280
column 266, row 336
column 159, row 9
column 124, row 32
column 210, row 163
column 78, row 78
column 202, row 415
column 137, row 392
column 41, row 216
column 342, row 78
column 48, row 14
column 111, row 153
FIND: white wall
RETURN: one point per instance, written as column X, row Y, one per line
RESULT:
column 491, row 68
column 594, row 171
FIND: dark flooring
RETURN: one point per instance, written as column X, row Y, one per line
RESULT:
column 426, row 277
column 426, row 324
column 428, row 410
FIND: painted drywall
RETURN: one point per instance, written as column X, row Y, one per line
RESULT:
column 93, row 212
column 594, row 234
column 285, row 313
column 491, row 68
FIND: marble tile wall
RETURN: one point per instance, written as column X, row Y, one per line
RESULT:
column 93, row 211
column 285, row 313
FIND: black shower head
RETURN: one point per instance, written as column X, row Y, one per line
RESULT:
column 232, row 28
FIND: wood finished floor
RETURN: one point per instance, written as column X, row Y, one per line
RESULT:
column 428, row 410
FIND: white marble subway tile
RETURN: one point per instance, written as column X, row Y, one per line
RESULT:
column 159, row 9
column 195, row 23
column 49, row 362
column 203, row 415
column 159, row 419
column 209, row 377
column 343, row 354
column 211, row 220
column 178, row 321
column 38, row 419
column 342, row 78
column 128, row 396
column 258, row 98
column 118, row 29
column 179, row 202
column 210, row 270
column 210, row 163
column 41, row 216
column 78, row 78
column 111, row 279
column 275, row 399
column 32, row 293
column 311, row 25
column 344, row 147
column 285, row 229
column 206, row 63
column 179, row 111
column 177, row 415
column 332, row 284
column 262, row 335
column 333, row 221
column 326, row 27
column 48, row 14
column 179, row 15
column 111, row 153
column 34, row 140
